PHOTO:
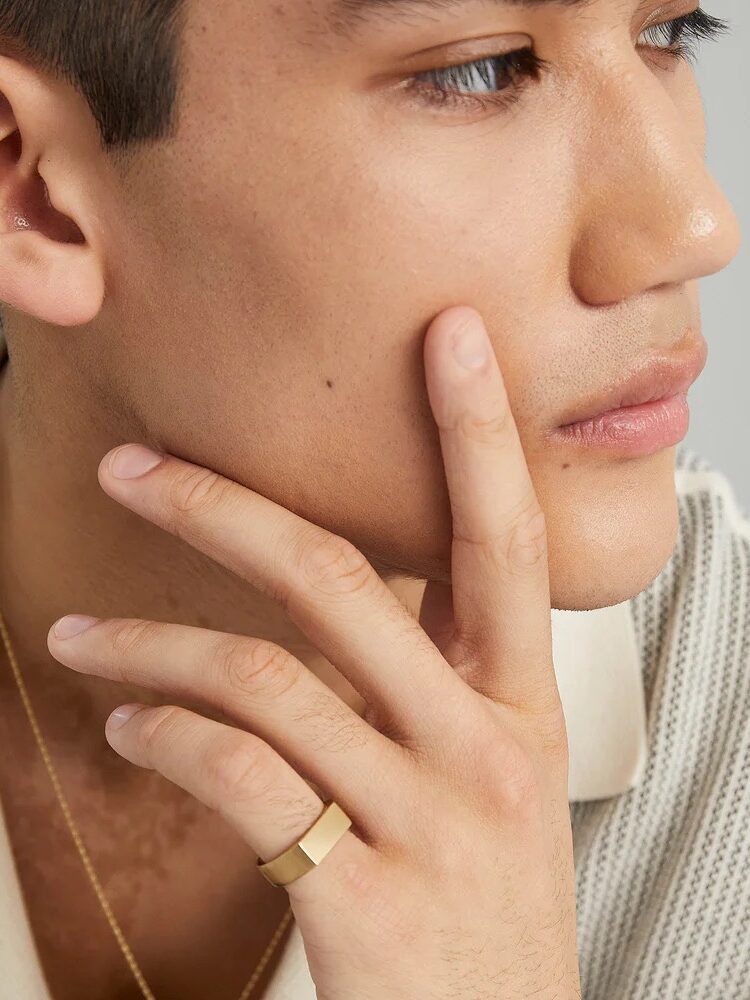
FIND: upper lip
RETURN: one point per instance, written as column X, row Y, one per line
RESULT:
column 661, row 377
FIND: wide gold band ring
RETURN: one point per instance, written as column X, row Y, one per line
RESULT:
column 310, row 849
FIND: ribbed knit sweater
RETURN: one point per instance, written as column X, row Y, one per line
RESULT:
column 663, row 870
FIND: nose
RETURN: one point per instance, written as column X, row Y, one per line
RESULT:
column 650, row 213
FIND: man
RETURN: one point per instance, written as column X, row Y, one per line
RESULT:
column 227, row 226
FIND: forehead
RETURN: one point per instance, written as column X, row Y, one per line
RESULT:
column 348, row 18
column 347, row 14
column 266, row 32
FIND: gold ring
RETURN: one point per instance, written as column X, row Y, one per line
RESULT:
column 310, row 849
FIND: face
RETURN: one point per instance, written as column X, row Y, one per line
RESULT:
column 323, row 200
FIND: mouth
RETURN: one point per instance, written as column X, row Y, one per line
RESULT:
column 642, row 413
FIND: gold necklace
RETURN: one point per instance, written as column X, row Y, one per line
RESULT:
column 124, row 946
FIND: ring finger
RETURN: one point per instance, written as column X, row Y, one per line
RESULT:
column 255, row 683
column 235, row 773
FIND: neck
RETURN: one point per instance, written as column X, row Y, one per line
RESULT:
column 65, row 546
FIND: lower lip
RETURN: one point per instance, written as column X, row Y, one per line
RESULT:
column 632, row 430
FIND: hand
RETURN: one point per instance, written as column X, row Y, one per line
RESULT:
column 456, row 877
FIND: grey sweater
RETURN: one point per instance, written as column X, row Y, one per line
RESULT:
column 663, row 870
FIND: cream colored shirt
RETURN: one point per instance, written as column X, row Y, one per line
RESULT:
column 598, row 671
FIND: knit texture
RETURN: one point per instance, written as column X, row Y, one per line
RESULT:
column 663, row 871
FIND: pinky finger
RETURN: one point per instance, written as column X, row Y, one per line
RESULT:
column 231, row 771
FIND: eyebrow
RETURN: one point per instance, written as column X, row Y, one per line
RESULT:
column 347, row 16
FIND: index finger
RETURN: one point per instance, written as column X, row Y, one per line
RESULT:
column 499, row 566
column 324, row 584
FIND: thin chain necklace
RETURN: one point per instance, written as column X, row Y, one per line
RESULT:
column 124, row 946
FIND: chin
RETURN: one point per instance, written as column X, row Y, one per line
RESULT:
column 611, row 527
column 613, row 533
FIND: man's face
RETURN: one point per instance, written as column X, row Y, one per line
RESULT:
column 277, row 264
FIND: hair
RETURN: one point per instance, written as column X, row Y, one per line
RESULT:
column 121, row 55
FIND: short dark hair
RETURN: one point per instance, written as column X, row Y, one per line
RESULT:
column 122, row 55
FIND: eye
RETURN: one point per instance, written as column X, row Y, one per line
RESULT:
column 500, row 80
column 493, row 80
column 682, row 36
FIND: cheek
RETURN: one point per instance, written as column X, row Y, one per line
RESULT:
column 407, row 217
column 312, row 309
column 324, row 294
column 354, row 269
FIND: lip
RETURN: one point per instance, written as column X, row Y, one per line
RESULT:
column 642, row 413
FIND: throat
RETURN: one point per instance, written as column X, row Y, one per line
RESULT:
column 181, row 883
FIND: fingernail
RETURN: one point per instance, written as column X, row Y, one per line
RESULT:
column 471, row 348
column 121, row 715
column 133, row 460
column 70, row 625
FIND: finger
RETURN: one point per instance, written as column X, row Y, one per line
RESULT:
column 256, row 684
column 322, row 581
column 253, row 788
column 499, row 568
column 436, row 614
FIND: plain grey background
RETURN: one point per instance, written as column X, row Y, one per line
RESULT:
column 720, row 399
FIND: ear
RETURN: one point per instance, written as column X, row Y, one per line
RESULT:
column 51, row 264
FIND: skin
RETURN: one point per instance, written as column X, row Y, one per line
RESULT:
column 235, row 333
column 463, row 721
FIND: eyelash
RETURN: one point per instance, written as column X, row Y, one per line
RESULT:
column 683, row 35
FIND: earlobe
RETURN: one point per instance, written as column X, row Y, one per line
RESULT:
column 58, row 283
column 48, row 268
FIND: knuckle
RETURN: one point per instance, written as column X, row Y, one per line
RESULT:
column 330, row 725
column 156, row 731
column 507, row 771
column 238, row 770
column 390, row 919
column 520, row 789
column 520, row 543
column 196, row 492
column 258, row 666
column 128, row 634
column 527, row 546
column 495, row 431
column 333, row 566
column 296, row 810
column 552, row 733
column 519, row 764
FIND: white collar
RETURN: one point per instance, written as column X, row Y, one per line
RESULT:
column 599, row 675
